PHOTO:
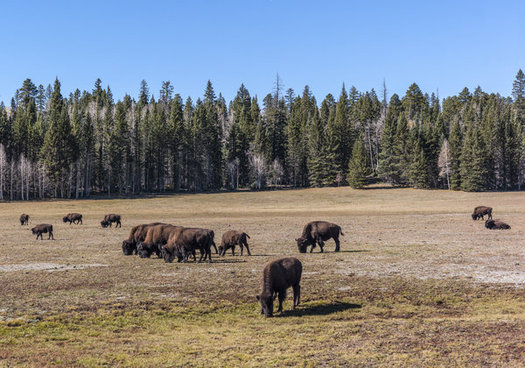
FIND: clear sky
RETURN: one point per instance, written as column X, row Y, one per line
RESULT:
column 445, row 45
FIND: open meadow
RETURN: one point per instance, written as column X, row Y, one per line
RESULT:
column 417, row 283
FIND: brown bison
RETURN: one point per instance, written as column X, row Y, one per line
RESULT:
column 278, row 276
column 481, row 211
column 496, row 225
column 24, row 219
column 42, row 229
column 73, row 218
column 184, row 242
column 136, row 235
column 110, row 219
column 156, row 237
column 230, row 239
column 318, row 232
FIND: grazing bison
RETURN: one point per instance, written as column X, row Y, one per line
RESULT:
column 318, row 232
column 156, row 237
column 230, row 239
column 73, row 218
column 24, row 219
column 42, row 229
column 136, row 235
column 110, row 219
column 278, row 276
column 496, row 225
column 185, row 241
column 481, row 211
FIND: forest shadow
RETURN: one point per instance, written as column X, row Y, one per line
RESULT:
column 320, row 310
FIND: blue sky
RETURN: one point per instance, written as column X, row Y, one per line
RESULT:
column 443, row 45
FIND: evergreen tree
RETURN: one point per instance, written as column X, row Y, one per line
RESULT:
column 357, row 168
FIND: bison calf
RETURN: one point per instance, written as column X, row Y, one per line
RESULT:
column 110, row 219
column 42, row 229
column 24, row 219
column 230, row 239
column 318, row 232
column 496, row 225
column 75, row 218
column 481, row 211
column 278, row 276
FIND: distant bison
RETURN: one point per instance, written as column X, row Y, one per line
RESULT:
column 156, row 237
column 110, row 219
column 496, row 225
column 75, row 218
column 42, row 229
column 231, row 238
column 278, row 276
column 136, row 235
column 481, row 211
column 184, row 242
column 24, row 219
column 318, row 232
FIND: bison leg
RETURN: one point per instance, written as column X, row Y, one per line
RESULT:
column 282, row 296
column 118, row 224
column 296, row 295
column 321, row 244
column 337, row 244
column 247, row 248
column 233, row 250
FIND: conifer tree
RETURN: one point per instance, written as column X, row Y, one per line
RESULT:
column 357, row 168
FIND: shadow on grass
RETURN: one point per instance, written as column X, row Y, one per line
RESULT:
column 319, row 310
column 354, row 251
column 222, row 260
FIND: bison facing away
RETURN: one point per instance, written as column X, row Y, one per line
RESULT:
column 24, row 219
column 110, row 219
column 278, row 276
column 481, row 211
column 40, row 229
column 136, row 235
column 73, row 218
column 318, row 232
column 184, row 242
column 496, row 225
column 230, row 239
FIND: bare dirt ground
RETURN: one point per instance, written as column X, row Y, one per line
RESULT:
column 417, row 282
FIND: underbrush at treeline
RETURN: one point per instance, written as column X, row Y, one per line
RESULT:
column 394, row 321
column 51, row 146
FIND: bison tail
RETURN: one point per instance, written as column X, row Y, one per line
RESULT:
column 248, row 236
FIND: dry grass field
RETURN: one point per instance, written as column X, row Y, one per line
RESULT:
column 417, row 283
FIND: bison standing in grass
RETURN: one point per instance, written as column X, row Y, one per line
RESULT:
column 230, row 239
column 73, row 218
column 481, row 211
column 24, row 219
column 40, row 229
column 278, row 276
column 185, row 242
column 156, row 237
column 136, row 235
column 318, row 232
column 110, row 219
column 496, row 225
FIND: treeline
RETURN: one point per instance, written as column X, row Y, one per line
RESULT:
column 51, row 146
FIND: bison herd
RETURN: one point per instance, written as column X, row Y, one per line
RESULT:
column 169, row 242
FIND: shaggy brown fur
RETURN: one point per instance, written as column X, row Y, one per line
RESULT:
column 110, row 219
column 278, row 276
column 75, row 218
column 24, row 219
column 496, row 225
column 230, row 239
column 186, row 241
column 156, row 237
column 319, row 232
column 481, row 211
column 136, row 235
column 42, row 229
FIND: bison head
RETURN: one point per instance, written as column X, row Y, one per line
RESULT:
column 104, row 223
column 128, row 247
column 222, row 251
column 489, row 224
column 302, row 244
column 143, row 250
column 474, row 216
column 65, row 219
column 34, row 231
column 168, row 254
column 266, row 301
